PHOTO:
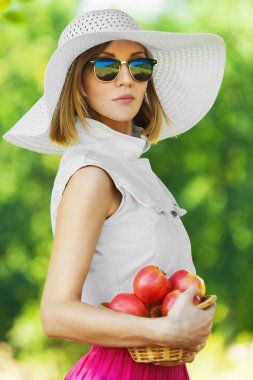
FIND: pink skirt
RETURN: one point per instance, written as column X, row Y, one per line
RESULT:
column 113, row 363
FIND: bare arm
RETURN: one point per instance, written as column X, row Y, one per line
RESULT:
column 84, row 206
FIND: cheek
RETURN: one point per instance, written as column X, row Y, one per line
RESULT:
column 91, row 87
column 142, row 90
column 97, row 95
column 143, row 87
column 87, row 81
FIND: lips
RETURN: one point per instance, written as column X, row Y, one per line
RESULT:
column 124, row 97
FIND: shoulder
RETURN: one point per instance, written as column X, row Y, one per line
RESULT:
column 91, row 186
column 92, row 176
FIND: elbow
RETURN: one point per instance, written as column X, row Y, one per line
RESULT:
column 47, row 321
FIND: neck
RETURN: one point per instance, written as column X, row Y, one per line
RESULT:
column 125, row 127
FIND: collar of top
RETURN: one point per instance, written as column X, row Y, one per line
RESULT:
column 100, row 137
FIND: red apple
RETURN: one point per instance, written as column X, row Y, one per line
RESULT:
column 155, row 310
column 196, row 300
column 169, row 300
column 182, row 279
column 128, row 303
column 150, row 284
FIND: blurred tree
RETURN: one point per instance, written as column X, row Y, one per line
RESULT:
column 26, row 177
column 13, row 11
column 209, row 168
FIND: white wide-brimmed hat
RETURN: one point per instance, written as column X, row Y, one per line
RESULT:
column 187, row 78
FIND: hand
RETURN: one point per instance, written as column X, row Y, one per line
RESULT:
column 188, row 359
column 202, row 319
column 186, row 326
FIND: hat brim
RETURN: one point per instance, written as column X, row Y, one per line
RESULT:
column 188, row 77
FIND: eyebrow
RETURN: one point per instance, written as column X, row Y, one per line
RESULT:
column 113, row 55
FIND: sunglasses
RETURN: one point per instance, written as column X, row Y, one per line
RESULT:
column 107, row 69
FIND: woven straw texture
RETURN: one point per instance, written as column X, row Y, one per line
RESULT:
column 150, row 354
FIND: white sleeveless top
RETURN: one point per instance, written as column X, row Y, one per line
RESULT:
column 145, row 229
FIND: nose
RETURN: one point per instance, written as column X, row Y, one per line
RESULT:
column 124, row 76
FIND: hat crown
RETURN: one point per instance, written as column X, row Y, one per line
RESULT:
column 100, row 20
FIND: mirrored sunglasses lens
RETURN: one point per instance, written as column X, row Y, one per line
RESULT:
column 106, row 70
column 141, row 70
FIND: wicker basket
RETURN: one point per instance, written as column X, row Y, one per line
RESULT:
column 150, row 354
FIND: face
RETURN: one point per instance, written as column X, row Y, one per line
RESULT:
column 101, row 95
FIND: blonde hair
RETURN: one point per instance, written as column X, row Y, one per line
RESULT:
column 72, row 103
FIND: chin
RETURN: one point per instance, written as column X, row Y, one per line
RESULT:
column 120, row 118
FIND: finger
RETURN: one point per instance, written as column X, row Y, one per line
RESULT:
column 186, row 297
column 189, row 293
column 196, row 347
column 211, row 309
column 190, row 358
column 200, row 346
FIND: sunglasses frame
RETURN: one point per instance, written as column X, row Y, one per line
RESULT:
column 151, row 60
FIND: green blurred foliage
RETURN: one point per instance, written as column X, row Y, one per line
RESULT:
column 13, row 11
column 26, row 179
column 208, row 169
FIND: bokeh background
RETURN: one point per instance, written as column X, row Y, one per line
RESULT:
column 209, row 170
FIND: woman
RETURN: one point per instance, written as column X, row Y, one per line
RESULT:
column 111, row 215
